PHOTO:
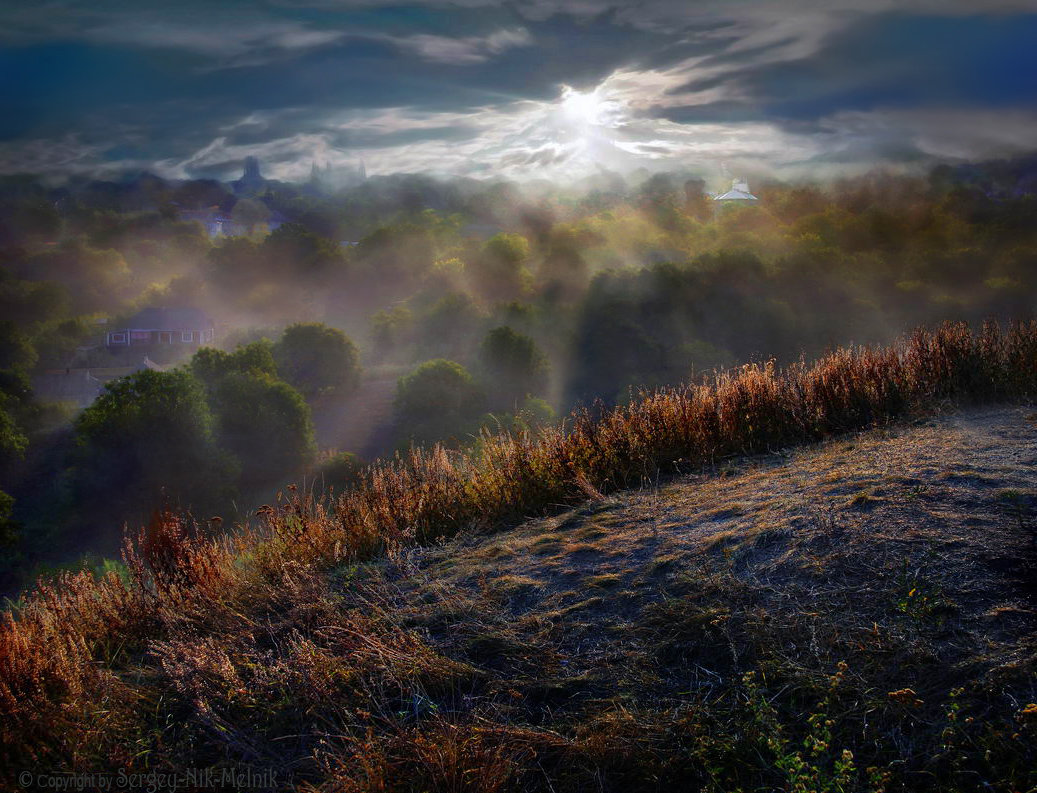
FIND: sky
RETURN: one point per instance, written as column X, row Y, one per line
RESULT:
column 523, row 89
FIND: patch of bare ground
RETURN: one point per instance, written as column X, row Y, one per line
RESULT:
column 879, row 580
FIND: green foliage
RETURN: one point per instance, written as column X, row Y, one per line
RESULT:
column 339, row 471
column 250, row 213
column 57, row 341
column 389, row 328
column 816, row 766
column 317, row 359
column 446, row 327
column 150, row 436
column 294, row 248
column 27, row 303
column 210, row 365
column 95, row 278
column 265, row 424
column 234, row 263
column 438, row 400
column 9, row 529
column 261, row 420
column 16, row 351
column 501, row 272
column 13, row 441
column 513, row 366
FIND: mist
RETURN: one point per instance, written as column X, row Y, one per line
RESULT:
column 348, row 317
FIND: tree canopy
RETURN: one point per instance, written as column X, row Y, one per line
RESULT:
column 316, row 359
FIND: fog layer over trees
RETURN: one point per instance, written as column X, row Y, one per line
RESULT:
column 413, row 310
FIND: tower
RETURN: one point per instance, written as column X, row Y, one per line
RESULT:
column 251, row 180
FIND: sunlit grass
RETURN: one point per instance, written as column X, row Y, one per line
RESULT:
column 80, row 660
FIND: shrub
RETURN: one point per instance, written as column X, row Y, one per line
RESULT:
column 339, row 471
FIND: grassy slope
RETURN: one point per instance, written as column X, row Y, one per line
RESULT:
column 854, row 616
column 907, row 554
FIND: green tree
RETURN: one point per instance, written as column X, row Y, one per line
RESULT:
column 148, row 434
column 500, row 272
column 250, row 213
column 265, row 424
column 513, row 367
column 234, row 261
column 13, row 441
column 317, row 359
column 9, row 529
column 16, row 351
column 439, row 400
column 389, row 327
column 292, row 248
column 210, row 365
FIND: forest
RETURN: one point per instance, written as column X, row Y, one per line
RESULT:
column 408, row 310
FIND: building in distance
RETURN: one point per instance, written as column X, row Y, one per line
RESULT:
column 161, row 327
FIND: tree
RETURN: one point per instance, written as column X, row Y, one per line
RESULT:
column 16, row 352
column 317, row 359
column 501, row 271
column 148, row 434
column 13, row 441
column 389, row 327
column 438, row 400
column 9, row 529
column 234, row 262
column 265, row 424
column 210, row 365
column 513, row 367
column 250, row 213
column 292, row 248
column 95, row 278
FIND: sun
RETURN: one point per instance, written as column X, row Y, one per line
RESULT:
column 580, row 107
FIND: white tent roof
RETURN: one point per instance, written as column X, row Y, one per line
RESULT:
column 739, row 192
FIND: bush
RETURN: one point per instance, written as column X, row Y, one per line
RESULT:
column 339, row 471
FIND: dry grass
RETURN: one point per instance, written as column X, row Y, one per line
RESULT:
column 244, row 649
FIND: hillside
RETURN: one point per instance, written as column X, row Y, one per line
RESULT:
column 851, row 614
column 620, row 632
